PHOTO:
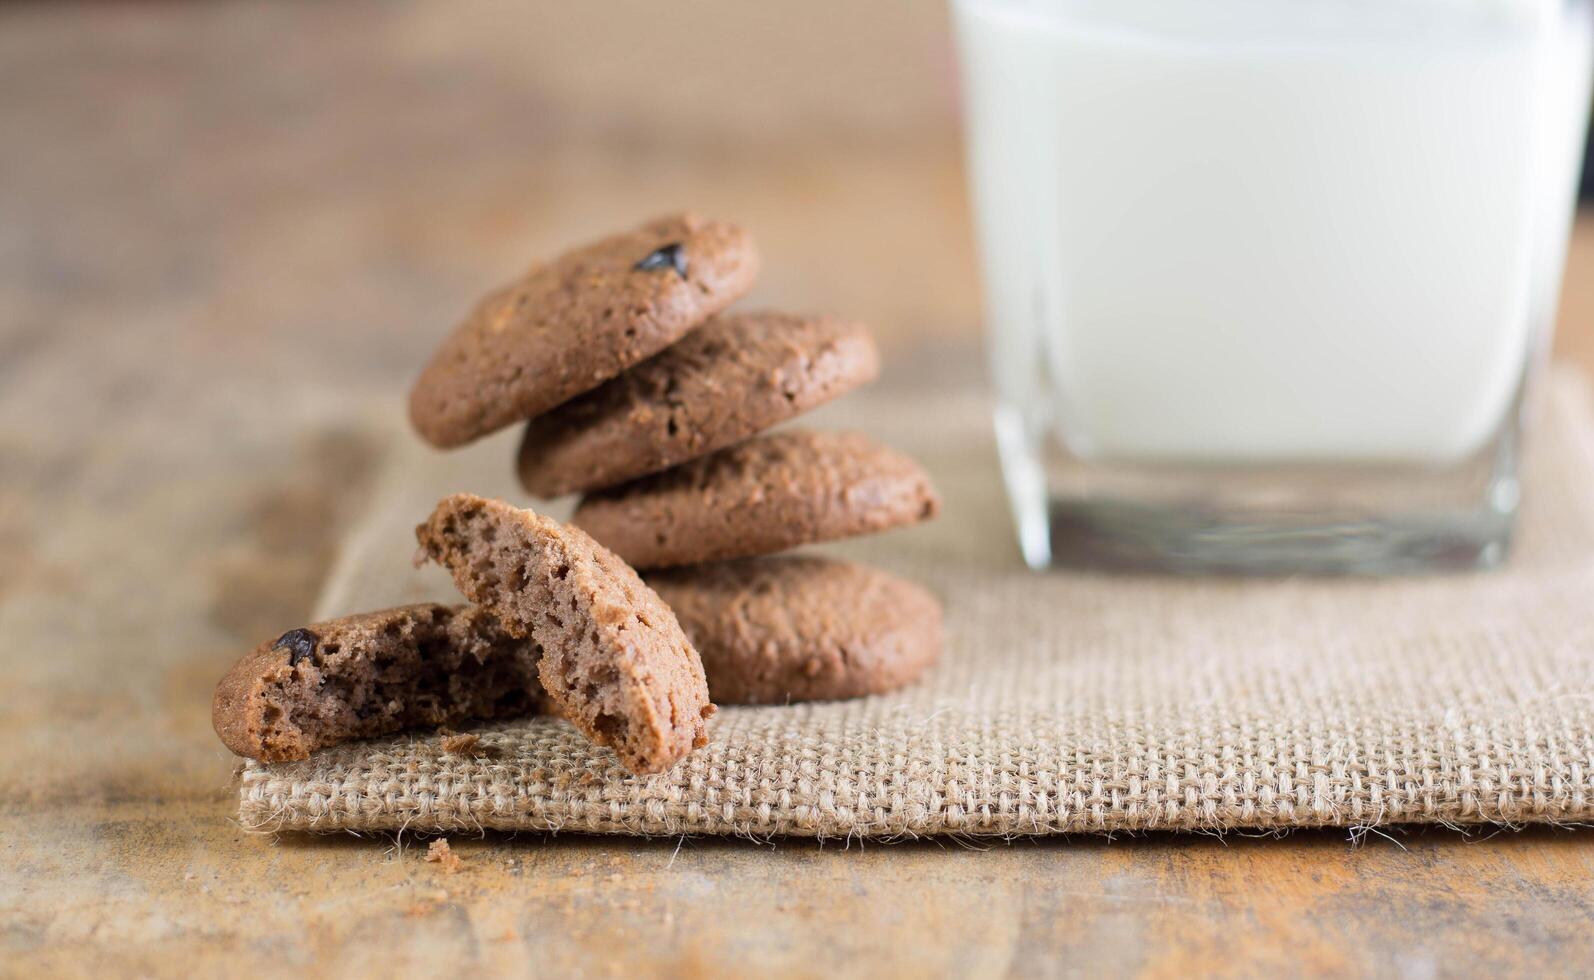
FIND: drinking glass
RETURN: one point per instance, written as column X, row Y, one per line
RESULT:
column 1266, row 283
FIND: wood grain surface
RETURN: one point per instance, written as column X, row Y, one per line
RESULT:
column 228, row 235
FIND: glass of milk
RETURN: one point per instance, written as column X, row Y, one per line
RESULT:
column 1265, row 280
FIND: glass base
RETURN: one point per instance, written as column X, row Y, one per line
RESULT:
column 1312, row 519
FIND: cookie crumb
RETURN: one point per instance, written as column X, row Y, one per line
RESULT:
column 460, row 744
column 438, row 852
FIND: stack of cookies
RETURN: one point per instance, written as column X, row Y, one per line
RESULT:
column 640, row 392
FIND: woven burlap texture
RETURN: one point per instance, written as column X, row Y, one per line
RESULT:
column 1065, row 702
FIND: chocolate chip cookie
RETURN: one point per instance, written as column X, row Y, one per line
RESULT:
column 571, row 324
column 778, row 630
column 614, row 660
column 767, row 494
column 373, row 674
column 729, row 379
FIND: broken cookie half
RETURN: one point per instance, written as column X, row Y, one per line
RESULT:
column 614, row 660
column 373, row 674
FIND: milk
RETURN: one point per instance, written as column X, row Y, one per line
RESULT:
column 1252, row 231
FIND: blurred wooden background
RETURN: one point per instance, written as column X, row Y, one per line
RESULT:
column 230, row 232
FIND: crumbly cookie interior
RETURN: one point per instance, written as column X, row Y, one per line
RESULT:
column 407, row 673
column 529, row 581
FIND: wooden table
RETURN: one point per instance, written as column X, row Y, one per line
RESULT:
column 228, row 233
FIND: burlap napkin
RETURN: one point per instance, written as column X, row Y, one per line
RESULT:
column 1066, row 702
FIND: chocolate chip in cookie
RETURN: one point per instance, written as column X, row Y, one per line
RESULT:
column 671, row 256
column 299, row 643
